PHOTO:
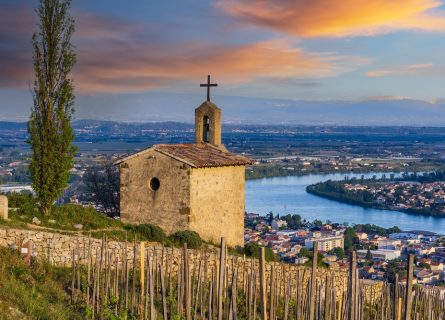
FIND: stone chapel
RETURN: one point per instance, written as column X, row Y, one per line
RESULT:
column 195, row 186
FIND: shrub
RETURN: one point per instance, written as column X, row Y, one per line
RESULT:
column 149, row 231
column 253, row 249
column 192, row 239
column 20, row 200
column 339, row 252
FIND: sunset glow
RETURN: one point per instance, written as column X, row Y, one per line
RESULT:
column 343, row 49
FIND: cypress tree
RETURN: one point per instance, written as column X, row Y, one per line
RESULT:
column 49, row 126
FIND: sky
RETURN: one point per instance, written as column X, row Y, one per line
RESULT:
column 132, row 52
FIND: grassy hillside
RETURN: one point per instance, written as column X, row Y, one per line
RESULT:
column 38, row 291
column 64, row 218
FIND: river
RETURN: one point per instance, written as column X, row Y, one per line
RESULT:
column 283, row 195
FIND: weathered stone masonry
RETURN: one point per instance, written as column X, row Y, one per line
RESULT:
column 58, row 248
column 3, row 207
column 196, row 186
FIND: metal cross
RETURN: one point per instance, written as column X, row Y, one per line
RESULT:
column 208, row 85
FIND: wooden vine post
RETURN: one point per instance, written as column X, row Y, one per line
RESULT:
column 188, row 301
column 142, row 275
column 313, row 292
column 395, row 301
column 409, row 288
column 222, row 264
column 352, row 285
column 263, row 302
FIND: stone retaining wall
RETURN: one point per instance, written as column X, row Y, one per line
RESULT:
column 58, row 249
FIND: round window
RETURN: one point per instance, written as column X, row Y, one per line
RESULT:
column 155, row 184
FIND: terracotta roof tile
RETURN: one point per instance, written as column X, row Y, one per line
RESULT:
column 201, row 155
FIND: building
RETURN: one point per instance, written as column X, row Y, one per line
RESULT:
column 426, row 276
column 421, row 249
column 277, row 223
column 301, row 260
column 289, row 233
column 6, row 188
column 325, row 243
column 197, row 186
column 362, row 235
column 326, row 227
column 381, row 254
column 389, row 244
column 405, row 236
column 437, row 266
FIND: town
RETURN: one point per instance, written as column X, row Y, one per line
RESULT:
column 380, row 254
column 405, row 195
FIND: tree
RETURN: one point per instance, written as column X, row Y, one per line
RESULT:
column 317, row 223
column 102, row 185
column 393, row 267
column 351, row 239
column 252, row 250
column 270, row 217
column 305, row 252
column 338, row 252
column 293, row 221
column 49, row 126
column 368, row 255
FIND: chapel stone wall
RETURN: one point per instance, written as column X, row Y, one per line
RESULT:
column 168, row 206
column 217, row 203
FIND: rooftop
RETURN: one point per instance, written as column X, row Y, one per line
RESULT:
column 196, row 155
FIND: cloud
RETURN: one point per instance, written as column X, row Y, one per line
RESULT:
column 421, row 69
column 145, row 67
column 378, row 73
column 15, row 49
column 119, row 56
column 327, row 18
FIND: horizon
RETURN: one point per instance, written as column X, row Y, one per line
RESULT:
column 238, row 124
column 255, row 111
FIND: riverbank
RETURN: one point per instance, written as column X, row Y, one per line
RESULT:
column 287, row 195
column 260, row 171
column 345, row 198
column 291, row 173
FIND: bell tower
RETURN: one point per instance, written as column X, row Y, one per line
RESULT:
column 208, row 120
column 208, row 124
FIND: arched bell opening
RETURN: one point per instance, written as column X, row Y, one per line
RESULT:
column 206, row 129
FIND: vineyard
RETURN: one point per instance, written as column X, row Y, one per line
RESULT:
column 138, row 283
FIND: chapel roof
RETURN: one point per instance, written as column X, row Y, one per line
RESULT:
column 196, row 155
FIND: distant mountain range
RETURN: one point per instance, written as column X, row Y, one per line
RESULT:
column 108, row 127
column 390, row 112
column 161, row 107
column 132, row 129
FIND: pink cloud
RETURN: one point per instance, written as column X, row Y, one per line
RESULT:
column 328, row 18
column 118, row 56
